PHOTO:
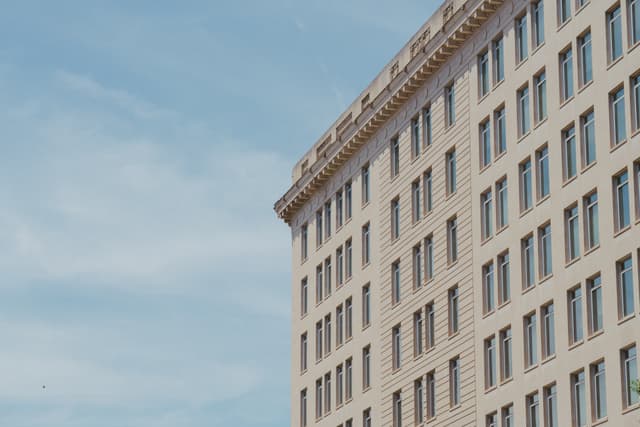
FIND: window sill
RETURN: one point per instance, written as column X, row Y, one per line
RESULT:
column 486, row 240
column 545, row 279
column 497, row 84
column 585, row 86
column 568, row 181
column 452, row 264
column 571, row 262
column 575, row 344
column 539, row 123
column 483, row 97
column 365, row 204
column 548, row 359
column 526, row 211
column 537, row 48
column 530, row 368
column 365, row 327
column 626, row 319
column 521, row 62
column 581, row 8
column 523, row 136
column 504, row 304
column 563, row 24
column 485, row 167
column 453, row 335
column 621, row 231
column 612, row 63
column 617, row 145
column 500, row 155
column 506, row 381
column 595, row 334
column 635, row 133
column 630, row 408
column 543, row 199
column 453, row 408
column 501, row 229
column 633, row 46
column 529, row 289
column 488, row 314
column 564, row 102
column 366, row 264
column 600, row 421
column 592, row 249
column 591, row 165
column 490, row 389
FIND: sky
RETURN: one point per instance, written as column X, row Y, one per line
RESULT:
column 144, row 277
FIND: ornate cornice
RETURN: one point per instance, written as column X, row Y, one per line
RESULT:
column 429, row 52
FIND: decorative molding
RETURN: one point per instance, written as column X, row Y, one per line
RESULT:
column 419, row 43
column 395, row 69
column 447, row 13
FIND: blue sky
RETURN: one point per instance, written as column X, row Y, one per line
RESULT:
column 144, row 278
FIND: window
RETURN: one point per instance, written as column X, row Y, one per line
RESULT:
column 636, row 166
column 506, row 354
column 395, row 218
column 598, row 391
column 621, row 200
column 629, row 361
column 528, row 262
column 426, row 127
column 537, row 16
column 451, row 171
column 453, row 310
column 366, row 367
column 572, row 233
column 569, row 153
column 594, row 304
column 542, row 172
column 395, row 156
column 366, row 305
column 339, row 266
column 635, row 107
column 522, row 48
column 416, row 204
column 578, row 399
column 454, row 381
column 327, row 219
column 488, row 288
column 614, row 27
column 348, row 321
column 452, row 240
column 303, row 408
column 365, row 184
column 397, row 409
column 502, row 204
column 499, row 120
column 587, row 122
column 327, row 393
column 550, row 406
column 418, row 401
column 327, row 334
column 574, row 298
column 319, row 341
column 564, row 11
column 485, row 143
column 415, row 137
column 526, row 193
column 348, row 380
column 417, row 266
column 347, row 200
column 486, row 202
column 507, row 416
column 366, row 418
column 319, row 289
column 431, row 394
column 532, row 410
column 540, row 82
column 483, row 74
column 498, row 60
column 624, row 270
column 396, row 347
column 523, row 111
column 585, row 59
column 492, row 420
column 366, row 244
column 348, row 258
column 417, row 333
column 504, row 286
column 633, row 10
column 544, row 244
column 304, row 242
column 548, row 331
column 530, row 343
column 430, row 327
column 450, row 104
column 591, row 221
column 304, row 296
column 319, row 228
column 339, row 325
column 303, row 352
column 428, row 257
column 339, row 210
column 427, row 184
column 339, row 385
column 490, row 362
column 327, row 276
column 395, row 282
column 566, row 75
column 618, row 121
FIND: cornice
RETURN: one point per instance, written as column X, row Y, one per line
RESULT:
column 427, row 57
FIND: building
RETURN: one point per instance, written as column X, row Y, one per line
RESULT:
column 466, row 236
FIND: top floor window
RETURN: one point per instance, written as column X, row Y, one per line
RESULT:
column 614, row 30
column 365, row 184
column 634, row 20
column 426, row 126
column 450, row 104
column 564, row 11
column 395, row 156
column 522, row 48
column 498, row 60
column 304, row 242
column 483, row 73
column 537, row 12
column 415, row 137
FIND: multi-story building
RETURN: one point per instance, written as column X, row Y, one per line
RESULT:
column 466, row 236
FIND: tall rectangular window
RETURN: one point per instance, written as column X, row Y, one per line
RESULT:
column 327, row 219
column 598, row 391
column 524, row 123
column 550, row 393
column 417, row 266
column 624, row 270
column 319, row 288
column 454, row 382
column 522, row 47
column 431, row 394
column 574, row 300
column 366, row 244
column 427, row 133
column 453, row 310
column 537, row 16
column 621, row 201
column 339, row 266
column 327, row 334
column 569, row 153
column 498, row 60
column 500, row 123
column 485, row 143
column 339, row 210
column 483, row 74
column 591, row 221
column 490, row 362
column 303, row 352
column 348, row 205
column 488, row 292
column 533, row 416
column 327, row 393
column 319, row 340
column 636, row 167
column 366, row 367
column 635, row 106
column 348, row 258
column 304, row 242
column 526, row 187
column 396, row 347
column 395, row 218
column 304, row 296
column 427, row 188
column 564, row 11
column 366, row 418
column 327, row 276
column 566, row 74
column 585, row 59
column 578, row 399
column 572, row 233
column 416, row 143
column 587, row 122
column 594, row 304
column 540, row 82
column 348, row 379
column 452, row 240
column 319, row 228
column 428, row 257
column 502, row 204
column 364, row 175
column 548, row 331
column 397, row 409
column 530, row 340
column 618, row 121
column 417, row 333
column 339, row 385
column 614, row 33
column 528, row 262
column 366, row 305
column 507, row 416
column 633, row 9
column 504, row 285
column 629, row 361
column 348, row 319
column 486, row 206
column 544, row 245
column 418, row 401
column 450, row 104
column 506, row 354
column 395, row 282
column 416, row 203
column 450, row 158
column 303, row 408
column 430, row 327
column 339, row 325
column 543, row 181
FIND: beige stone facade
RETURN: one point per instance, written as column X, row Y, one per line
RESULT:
column 466, row 236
